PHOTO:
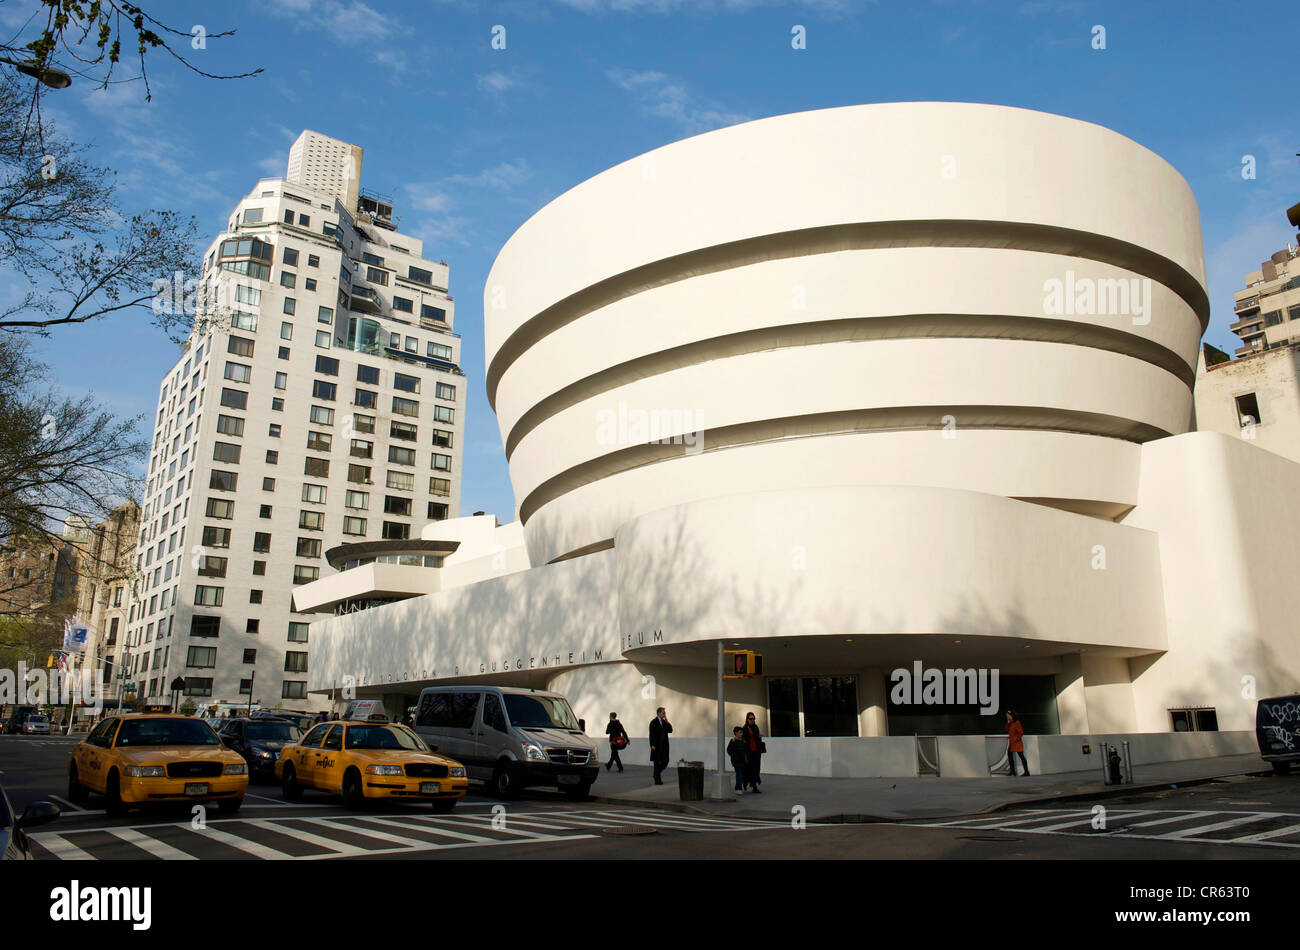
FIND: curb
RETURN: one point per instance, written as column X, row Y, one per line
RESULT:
column 858, row 818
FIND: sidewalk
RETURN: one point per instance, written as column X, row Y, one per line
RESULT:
column 895, row 799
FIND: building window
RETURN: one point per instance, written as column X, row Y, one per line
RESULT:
column 288, row 279
column 419, row 275
column 310, row 283
column 440, row 463
column 407, row 384
column 239, row 346
column 402, row 304
column 323, row 390
column 220, row 508
column 203, row 626
column 201, row 657
column 246, row 687
column 212, row 538
column 401, row 456
column 323, row 339
column 813, row 706
column 402, row 481
column 290, row 257
column 272, row 457
column 281, row 380
column 234, row 398
column 324, row 315
column 316, row 468
column 210, row 566
column 225, row 452
column 264, row 512
column 252, row 216
column 396, row 531
column 292, row 689
column 311, row 520
column 403, row 430
column 362, row 449
column 356, row 499
column 359, row 474
column 363, row 423
column 439, row 351
column 230, row 425
column 327, row 365
column 198, row 685
column 319, row 441
column 305, row 575
column 313, row 260
column 393, row 505
column 354, row 526
column 437, row 511
column 442, row 438
column 1247, row 410
column 368, row 374
column 433, row 313
column 250, row 656
column 365, row 399
column 290, row 305
column 286, row 330
column 277, row 404
column 207, row 596
column 259, row 568
column 308, row 547
column 444, row 414
column 273, row 430
column 315, row 494
column 439, row 486
column 295, row 662
column 221, row 481
column 405, row 407
column 322, row 415
column 377, row 276
column 262, row 542
column 254, row 596
column 1195, row 719
column 297, row 632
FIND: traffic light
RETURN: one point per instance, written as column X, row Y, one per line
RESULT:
column 741, row 664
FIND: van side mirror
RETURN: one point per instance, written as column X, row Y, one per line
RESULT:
column 38, row 813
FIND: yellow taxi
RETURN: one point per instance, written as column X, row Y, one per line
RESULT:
column 150, row 759
column 370, row 760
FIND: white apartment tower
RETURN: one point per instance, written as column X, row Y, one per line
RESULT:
column 320, row 413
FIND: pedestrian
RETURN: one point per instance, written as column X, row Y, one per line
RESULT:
column 739, row 756
column 618, row 740
column 1015, row 743
column 754, row 749
column 660, row 727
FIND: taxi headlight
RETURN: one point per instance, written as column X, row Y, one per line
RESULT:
column 383, row 770
column 535, row 752
column 235, row 768
column 263, row 754
column 457, row 772
column 146, row 771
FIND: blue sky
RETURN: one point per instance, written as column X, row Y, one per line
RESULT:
column 473, row 140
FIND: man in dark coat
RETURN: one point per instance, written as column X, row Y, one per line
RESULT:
column 660, row 727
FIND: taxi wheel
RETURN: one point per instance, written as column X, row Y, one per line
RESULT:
column 228, row 806
column 113, row 803
column 78, row 794
column 504, row 783
column 579, row 793
column 289, row 784
column 353, row 796
column 444, row 805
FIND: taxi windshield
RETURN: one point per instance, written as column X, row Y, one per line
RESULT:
column 146, row 732
column 383, row 737
column 272, row 731
column 540, row 712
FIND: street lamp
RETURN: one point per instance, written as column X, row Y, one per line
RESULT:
column 54, row 78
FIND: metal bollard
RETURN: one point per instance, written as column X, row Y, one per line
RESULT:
column 1128, row 764
column 1105, row 770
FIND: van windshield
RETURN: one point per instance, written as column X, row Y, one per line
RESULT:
column 540, row 712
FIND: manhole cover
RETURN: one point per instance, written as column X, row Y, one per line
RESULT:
column 629, row 830
column 985, row 838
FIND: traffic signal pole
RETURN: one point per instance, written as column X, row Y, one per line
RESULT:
column 722, row 725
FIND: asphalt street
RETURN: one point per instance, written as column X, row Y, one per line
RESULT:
column 1243, row 817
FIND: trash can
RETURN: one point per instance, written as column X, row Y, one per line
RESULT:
column 690, row 781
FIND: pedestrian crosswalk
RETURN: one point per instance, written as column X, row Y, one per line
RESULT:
column 1274, row 829
column 313, row 837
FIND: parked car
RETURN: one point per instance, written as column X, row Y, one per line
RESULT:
column 510, row 737
column 146, row 759
column 365, row 760
column 260, row 740
column 14, row 724
column 1277, row 730
column 36, row 725
column 14, row 844
column 303, row 721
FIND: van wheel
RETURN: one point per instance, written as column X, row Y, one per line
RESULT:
column 504, row 783
column 353, row 796
column 1281, row 768
column 113, row 804
column 78, row 794
column 578, row 793
column 444, row 806
column 289, row 786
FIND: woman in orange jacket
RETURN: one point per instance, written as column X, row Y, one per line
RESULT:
column 1015, row 743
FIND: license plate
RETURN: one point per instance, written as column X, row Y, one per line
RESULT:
column 196, row 788
column 430, row 788
column 569, row 779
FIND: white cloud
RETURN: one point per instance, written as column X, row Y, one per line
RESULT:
column 349, row 22
column 660, row 95
column 703, row 6
column 494, row 82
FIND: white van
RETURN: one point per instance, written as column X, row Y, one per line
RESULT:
column 510, row 737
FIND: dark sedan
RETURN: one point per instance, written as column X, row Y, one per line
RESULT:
column 259, row 740
column 14, row 845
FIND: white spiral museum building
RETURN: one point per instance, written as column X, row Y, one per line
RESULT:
column 859, row 388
